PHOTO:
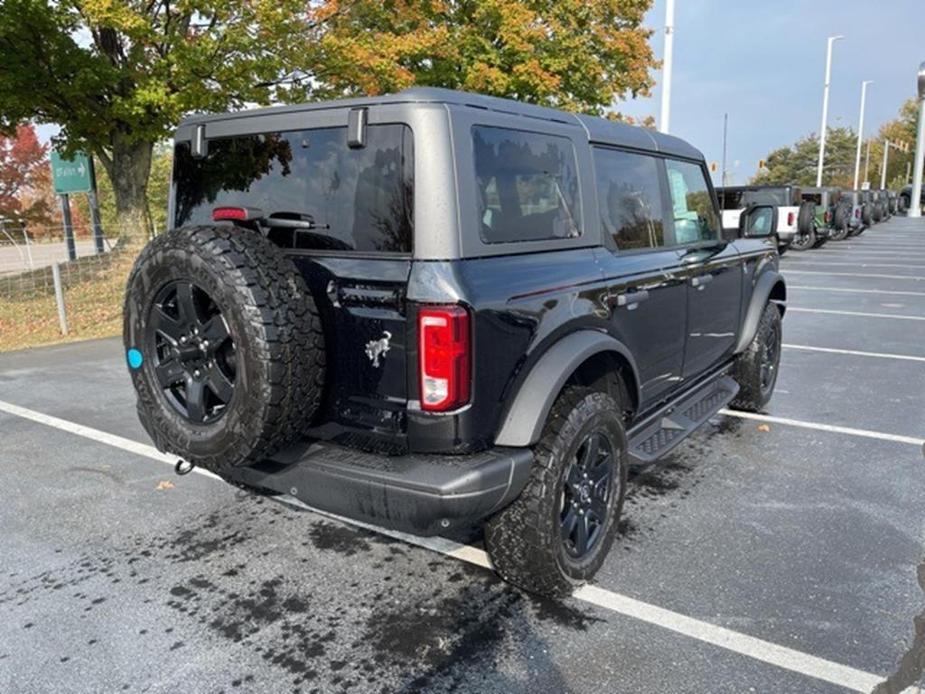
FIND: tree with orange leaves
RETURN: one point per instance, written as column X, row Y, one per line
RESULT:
column 571, row 54
column 24, row 172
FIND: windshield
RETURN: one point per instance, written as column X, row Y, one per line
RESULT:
column 358, row 199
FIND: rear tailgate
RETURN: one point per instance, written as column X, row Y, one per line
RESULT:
column 362, row 306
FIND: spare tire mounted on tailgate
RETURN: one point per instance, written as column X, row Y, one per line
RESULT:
column 224, row 344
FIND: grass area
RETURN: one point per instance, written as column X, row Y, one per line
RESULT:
column 94, row 309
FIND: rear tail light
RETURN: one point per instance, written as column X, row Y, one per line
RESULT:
column 828, row 216
column 857, row 212
column 444, row 356
column 791, row 218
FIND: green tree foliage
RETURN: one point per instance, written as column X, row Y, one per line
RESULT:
column 117, row 75
column 899, row 130
column 797, row 163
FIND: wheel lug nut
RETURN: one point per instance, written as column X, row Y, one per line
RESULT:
column 182, row 339
column 196, row 373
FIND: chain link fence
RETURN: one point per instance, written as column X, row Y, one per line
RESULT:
column 84, row 300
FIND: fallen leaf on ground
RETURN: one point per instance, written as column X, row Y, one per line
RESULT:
column 164, row 484
column 764, row 427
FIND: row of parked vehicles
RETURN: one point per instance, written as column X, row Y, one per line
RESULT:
column 807, row 217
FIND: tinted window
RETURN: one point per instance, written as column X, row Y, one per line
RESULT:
column 694, row 215
column 630, row 199
column 730, row 199
column 359, row 199
column 527, row 186
column 772, row 196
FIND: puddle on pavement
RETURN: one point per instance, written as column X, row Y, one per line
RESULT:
column 402, row 619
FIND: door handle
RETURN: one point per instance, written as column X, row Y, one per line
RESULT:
column 701, row 280
column 631, row 298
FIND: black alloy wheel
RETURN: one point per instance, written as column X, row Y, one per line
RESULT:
column 584, row 494
column 194, row 354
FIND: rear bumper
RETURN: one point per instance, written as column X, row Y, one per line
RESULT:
column 420, row 494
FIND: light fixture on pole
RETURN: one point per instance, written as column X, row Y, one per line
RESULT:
column 825, row 106
column 857, row 158
column 667, row 59
column 915, row 206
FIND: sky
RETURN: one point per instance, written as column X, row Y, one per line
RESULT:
column 763, row 63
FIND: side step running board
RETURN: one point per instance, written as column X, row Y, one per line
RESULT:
column 652, row 438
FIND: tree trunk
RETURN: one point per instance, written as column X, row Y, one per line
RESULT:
column 128, row 166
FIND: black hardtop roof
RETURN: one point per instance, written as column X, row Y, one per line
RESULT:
column 822, row 189
column 785, row 186
column 598, row 130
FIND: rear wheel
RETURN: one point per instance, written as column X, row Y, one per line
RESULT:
column 556, row 535
column 803, row 241
column 756, row 368
column 224, row 346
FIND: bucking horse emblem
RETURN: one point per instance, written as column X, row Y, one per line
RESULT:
column 376, row 349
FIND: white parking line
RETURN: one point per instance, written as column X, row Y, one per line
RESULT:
column 856, row 291
column 854, row 352
column 736, row 642
column 788, row 271
column 862, row 314
column 850, row 431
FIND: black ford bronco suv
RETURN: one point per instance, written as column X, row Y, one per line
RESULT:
column 433, row 309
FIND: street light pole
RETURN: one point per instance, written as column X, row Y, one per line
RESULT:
column 867, row 165
column 857, row 159
column 825, row 106
column 664, row 120
column 915, row 208
column 886, row 158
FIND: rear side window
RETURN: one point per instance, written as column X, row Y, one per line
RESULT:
column 358, row 199
column 730, row 199
column 630, row 199
column 527, row 185
column 695, row 218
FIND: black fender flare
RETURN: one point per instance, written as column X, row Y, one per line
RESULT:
column 523, row 422
column 761, row 294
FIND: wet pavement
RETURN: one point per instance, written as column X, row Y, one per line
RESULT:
column 116, row 575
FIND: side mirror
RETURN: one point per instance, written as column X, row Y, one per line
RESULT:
column 758, row 221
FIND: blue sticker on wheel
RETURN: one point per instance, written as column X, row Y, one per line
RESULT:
column 134, row 358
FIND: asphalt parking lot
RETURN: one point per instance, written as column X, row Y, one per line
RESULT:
column 771, row 554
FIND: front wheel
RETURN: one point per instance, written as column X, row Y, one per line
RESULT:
column 557, row 533
column 756, row 368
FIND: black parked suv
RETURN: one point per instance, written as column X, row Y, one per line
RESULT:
column 434, row 309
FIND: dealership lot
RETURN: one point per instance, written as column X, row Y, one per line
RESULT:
column 761, row 555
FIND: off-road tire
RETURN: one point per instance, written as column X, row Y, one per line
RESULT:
column 840, row 223
column 866, row 215
column 819, row 241
column 747, row 371
column 273, row 323
column 524, row 539
column 803, row 242
column 806, row 217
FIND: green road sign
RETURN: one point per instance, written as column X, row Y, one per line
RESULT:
column 71, row 176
